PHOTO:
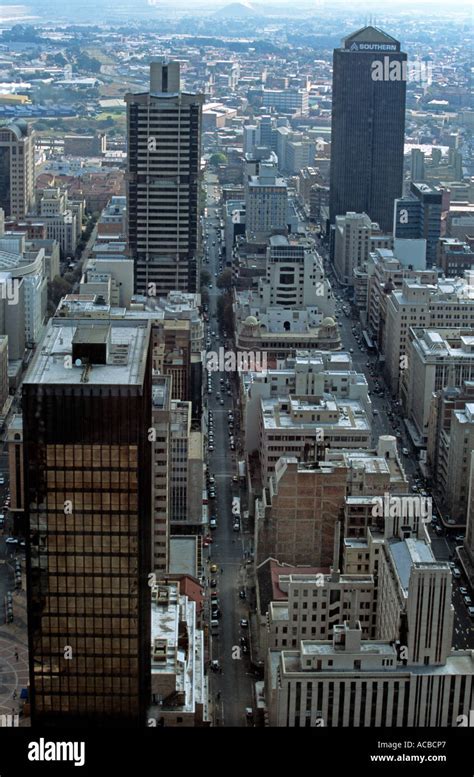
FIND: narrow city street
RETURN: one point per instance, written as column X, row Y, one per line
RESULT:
column 231, row 684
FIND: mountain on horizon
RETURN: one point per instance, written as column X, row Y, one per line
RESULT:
column 236, row 11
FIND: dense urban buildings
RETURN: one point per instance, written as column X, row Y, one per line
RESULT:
column 236, row 373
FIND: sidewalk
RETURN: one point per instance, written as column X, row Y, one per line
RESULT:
column 14, row 671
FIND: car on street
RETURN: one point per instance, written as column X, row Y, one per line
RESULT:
column 244, row 623
column 213, row 523
column 463, row 590
column 405, row 451
column 242, row 594
column 467, row 601
column 213, row 568
column 11, row 541
column 213, row 583
column 470, row 611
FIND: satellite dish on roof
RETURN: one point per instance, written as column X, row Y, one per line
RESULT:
column 78, row 363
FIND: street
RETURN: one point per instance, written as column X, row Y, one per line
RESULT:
column 231, row 685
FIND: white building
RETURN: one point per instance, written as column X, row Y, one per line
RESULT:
column 437, row 358
column 351, row 682
column 303, row 427
column 448, row 304
column 179, row 689
column 353, row 243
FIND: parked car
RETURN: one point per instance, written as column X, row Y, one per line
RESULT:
column 467, row 601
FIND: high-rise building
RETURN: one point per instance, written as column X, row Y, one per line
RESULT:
column 266, row 201
column 418, row 216
column 163, row 167
column 88, row 461
column 17, row 169
column 368, row 121
column 417, row 165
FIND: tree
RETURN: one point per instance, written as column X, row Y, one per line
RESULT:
column 205, row 278
column 224, row 280
column 218, row 159
column 57, row 289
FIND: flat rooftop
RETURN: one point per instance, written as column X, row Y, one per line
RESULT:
column 49, row 363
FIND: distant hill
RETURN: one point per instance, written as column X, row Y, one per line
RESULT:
column 236, row 11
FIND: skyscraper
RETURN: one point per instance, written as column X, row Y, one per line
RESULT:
column 87, row 462
column 164, row 152
column 368, row 121
column 17, row 169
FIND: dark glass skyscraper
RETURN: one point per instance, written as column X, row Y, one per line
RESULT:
column 368, row 124
column 87, row 462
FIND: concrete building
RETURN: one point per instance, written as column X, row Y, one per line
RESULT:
column 4, row 387
column 454, row 256
column 367, row 151
column 386, row 273
column 16, row 472
column 417, row 165
column 85, row 145
column 63, row 222
column 414, row 601
column 179, row 687
column 318, row 199
column 94, row 481
column 351, row 682
column 266, row 204
column 161, row 475
column 418, row 215
column 318, row 603
column 17, row 163
column 23, row 299
column 308, row 373
column 187, row 514
column 282, row 100
column 163, row 168
column 111, row 278
column 304, row 427
column 355, row 237
column 461, row 444
column 448, row 304
column 437, row 358
column 299, row 510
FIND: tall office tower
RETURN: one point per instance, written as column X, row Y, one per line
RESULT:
column 418, row 216
column 164, row 153
column 368, row 122
column 17, row 169
column 87, row 462
column 417, row 165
